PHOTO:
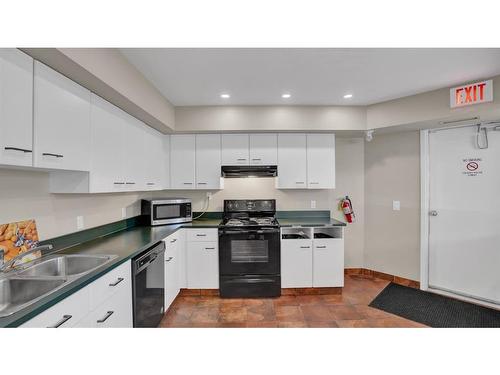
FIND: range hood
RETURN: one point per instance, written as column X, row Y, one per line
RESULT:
column 238, row 171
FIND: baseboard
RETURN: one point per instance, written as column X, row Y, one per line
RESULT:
column 310, row 291
column 384, row 276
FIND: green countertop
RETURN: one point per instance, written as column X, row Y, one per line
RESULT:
column 125, row 244
column 130, row 242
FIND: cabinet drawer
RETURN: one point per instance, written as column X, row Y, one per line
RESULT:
column 64, row 314
column 115, row 312
column 202, row 235
column 110, row 283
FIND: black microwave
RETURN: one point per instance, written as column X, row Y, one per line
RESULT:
column 167, row 211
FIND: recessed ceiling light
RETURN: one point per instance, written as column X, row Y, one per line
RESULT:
column 286, row 96
column 225, row 96
column 347, row 96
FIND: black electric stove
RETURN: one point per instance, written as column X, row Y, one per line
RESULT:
column 249, row 249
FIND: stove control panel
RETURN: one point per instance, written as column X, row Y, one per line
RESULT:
column 250, row 205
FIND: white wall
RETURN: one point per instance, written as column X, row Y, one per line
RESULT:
column 392, row 172
column 25, row 194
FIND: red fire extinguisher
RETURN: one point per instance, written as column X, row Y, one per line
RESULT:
column 346, row 206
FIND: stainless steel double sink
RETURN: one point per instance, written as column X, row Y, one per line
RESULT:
column 24, row 286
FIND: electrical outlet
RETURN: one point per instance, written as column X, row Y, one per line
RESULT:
column 79, row 223
column 313, row 204
column 124, row 212
column 209, row 195
column 396, row 205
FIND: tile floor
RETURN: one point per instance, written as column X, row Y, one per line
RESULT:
column 347, row 310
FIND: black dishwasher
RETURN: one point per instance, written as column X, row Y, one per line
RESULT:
column 148, row 269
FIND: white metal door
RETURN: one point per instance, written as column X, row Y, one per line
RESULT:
column 464, row 222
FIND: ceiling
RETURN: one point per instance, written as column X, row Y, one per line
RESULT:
column 191, row 77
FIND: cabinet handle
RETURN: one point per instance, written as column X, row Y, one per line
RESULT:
column 305, row 247
column 118, row 183
column 54, row 155
column 120, row 279
column 150, row 183
column 209, row 248
column 320, row 247
column 169, row 259
column 187, row 183
column 175, row 239
column 202, row 183
column 257, row 159
column 64, row 319
column 299, row 182
column 241, row 159
column 313, row 183
column 17, row 149
column 108, row 314
column 129, row 183
column 201, row 235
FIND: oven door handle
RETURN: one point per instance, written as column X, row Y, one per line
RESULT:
column 250, row 281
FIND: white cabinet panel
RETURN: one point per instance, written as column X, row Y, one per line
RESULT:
column 321, row 161
column 67, row 313
column 155, row 159
column 202, row 235
column 61, row 121
column 328, row 263
column 111, row 283
column 202, row 265
column 172, row 269
column 166, row 157
column 292, row 161
column 115, row 312
column 134, row 154
column 107, row 139
column 235, row 149
column 208, row 161
column 16, row 108
column 296, row 264
column 263, row 149
column 182, row 161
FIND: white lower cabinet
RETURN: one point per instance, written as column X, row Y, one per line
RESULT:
column 202, row 261
column 296, row 263
column 106, row 302
column 172, row 268
column 328, row 262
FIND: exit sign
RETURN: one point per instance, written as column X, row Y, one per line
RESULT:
column 474, row 93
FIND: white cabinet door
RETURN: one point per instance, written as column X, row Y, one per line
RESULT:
column 208, row 161
column 321, row 161
column 328, row 263
column 107, row 138
column 115, row 312
column 202, row 265
column 172, row 268
column 182, row 161
column 16, row 107
column 263, row 149
column 166, row 158
column 61, row 121
column 235, row 149
column 154, row 159
column 292, row 161
column 296, row 264
column 134, row 154
column 67, row 313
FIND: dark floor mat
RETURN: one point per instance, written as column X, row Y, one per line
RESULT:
column 434, row 310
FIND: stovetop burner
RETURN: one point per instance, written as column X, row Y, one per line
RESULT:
column 251, row 221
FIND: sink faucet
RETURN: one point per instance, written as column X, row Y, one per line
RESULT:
column 6, row 266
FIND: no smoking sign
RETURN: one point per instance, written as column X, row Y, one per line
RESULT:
column 472, row 167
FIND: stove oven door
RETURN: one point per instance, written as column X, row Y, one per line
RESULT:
column 245, row 251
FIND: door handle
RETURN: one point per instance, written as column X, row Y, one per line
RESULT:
column 169, row 259
column 64, row 319
column 433, row 213
column 108, row 314
column 17, row 149
column 51, row 154
column 320, row 247
column 305, row 247
column 120, row 279
column 209, row 248
column 175, row 239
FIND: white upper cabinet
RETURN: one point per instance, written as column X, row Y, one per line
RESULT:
column 208, row 161
column 166, row 157
column 263, row 149
column 182, row 161
column 16, row 108
column 107, row 138
column 134, row 154
column 321, row 161
column 154, row 159
column 292, row 161
column 235, row 150
column 61, row 121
